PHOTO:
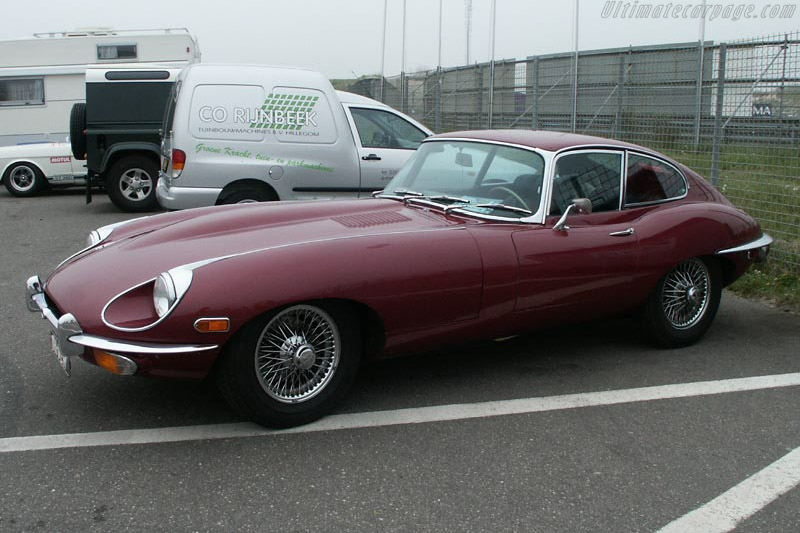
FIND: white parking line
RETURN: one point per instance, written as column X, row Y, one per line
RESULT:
column 727, row 510
column 401, row 416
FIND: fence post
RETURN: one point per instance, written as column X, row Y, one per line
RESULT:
column 535, row 86
column 620, row 91
column 437, row 119
column 491, row 93
column 718, row 129
column 403, row 92
column 479, row 69
column 699, row 93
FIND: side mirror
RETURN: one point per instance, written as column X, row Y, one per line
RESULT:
column 582, row 206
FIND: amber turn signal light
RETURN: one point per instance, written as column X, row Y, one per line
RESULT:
column 212, row 325
column 114, row 363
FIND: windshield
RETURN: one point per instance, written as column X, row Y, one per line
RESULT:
column 484, row 178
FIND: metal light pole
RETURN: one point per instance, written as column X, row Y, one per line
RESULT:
column 468, row 21
column 699, row 93
column 491, row 64
column 575, row 73
column 383, row 49
column 439, row 61
column 403, row 64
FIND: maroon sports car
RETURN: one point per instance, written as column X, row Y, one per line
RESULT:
column 481, row 235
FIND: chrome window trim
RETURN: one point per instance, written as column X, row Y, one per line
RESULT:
column 537, row 217
column 571, row 151
column 660, row 159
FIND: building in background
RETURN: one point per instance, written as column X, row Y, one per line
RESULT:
column 42, row 77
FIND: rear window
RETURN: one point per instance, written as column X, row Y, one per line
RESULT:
column 651, row 180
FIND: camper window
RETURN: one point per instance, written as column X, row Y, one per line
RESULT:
column 107, row 52
column 21, row 91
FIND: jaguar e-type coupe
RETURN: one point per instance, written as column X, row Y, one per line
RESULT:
column 481, row 235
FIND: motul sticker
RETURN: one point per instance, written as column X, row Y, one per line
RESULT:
column 61, row 159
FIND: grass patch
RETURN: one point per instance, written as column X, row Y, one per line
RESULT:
column 772, row 285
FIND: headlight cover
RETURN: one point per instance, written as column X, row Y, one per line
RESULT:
column 169, row 288
column 163, row 294
column 100, row 234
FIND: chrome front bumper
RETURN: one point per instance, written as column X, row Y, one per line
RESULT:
column 72, row 341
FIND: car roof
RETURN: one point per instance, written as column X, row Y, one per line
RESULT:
column 552, row 141
column 352, row 98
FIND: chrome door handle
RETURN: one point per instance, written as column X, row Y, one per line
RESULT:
column 623, row 233
column 371, row 157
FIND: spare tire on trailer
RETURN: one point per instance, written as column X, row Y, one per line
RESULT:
column 77, row 130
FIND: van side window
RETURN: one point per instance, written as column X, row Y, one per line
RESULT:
column 382, row 129
column 650, row 180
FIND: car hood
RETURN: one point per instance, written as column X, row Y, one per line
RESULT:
column 138, row 251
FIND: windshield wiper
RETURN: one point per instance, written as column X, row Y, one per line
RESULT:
column 437, row 198
column 397, row 193
column 492, row 206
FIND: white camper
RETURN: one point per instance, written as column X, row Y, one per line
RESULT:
column 42, row 77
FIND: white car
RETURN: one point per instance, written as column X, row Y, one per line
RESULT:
column 29, row 169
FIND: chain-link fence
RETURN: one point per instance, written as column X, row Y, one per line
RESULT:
column 730, row 111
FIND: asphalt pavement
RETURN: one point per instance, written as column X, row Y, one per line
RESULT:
column 627, row 465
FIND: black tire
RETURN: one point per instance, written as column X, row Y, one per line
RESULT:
column 321, row 379
column 24, row 180
column 77, row 130
column 131, row 183
column 246, row 194
column 684, row 303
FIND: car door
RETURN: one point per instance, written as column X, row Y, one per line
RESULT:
column 385, row 140
column 580, row 271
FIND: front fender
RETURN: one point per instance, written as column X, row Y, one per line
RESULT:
column 119, row 148
column 411, row 280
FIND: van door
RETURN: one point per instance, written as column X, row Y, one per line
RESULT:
column 385, row 140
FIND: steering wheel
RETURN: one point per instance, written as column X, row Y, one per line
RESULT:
column 512, row 194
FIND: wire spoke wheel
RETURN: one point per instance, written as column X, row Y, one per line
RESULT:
column 685, row 294
column 297, row 354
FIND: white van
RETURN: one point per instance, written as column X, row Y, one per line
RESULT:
column 235, row 134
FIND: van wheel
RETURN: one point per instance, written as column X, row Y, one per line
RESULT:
column 24, row 179
column 131, row 183
column 246, row 194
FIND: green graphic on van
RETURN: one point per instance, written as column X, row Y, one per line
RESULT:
column 285, row 112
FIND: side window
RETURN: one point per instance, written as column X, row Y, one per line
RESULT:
column 21, row 91
column 107, row 52
column 592, row 175
column 383, row 129
column 650, row 180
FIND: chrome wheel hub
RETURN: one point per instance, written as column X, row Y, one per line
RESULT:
column 22, row 178
column 135, row 184
column 686, row 294
column 297, row 354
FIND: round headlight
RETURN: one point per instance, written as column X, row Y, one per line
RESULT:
column 164, row 295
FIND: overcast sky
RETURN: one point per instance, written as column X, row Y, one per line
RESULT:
column 342, row 38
